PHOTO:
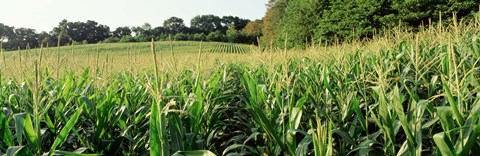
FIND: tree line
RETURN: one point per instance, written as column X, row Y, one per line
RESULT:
column 202, row 28
column 301, row 22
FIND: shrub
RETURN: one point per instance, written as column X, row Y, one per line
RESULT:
column 199, row 37
column 216, row 36
column 180, row 37
column 125, row 39
column 111, row 40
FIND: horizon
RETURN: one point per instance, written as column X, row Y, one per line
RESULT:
column 113, row 13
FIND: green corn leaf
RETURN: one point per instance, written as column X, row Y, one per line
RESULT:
column 19, row 126
column 5, row 132
column 446, row 120
column 444, row 145
column 194, row 153
column 65, row 132
column 158, row 138
column 453, row 103
column 18, row 151
column 23, row 123
column 470, row 135
column 344, row 136
column 56, row 152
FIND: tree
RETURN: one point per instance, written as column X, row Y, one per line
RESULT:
column 25, row 37
column 238, row 22
column 252, row 31
column 60, row 33
column 158, row 31
column 351, row 19
column 174, row 25
column 272, row 18
column 299, row 21
column 6, row 32
column 89, row 31
column 122, row 31
column 97, row 32
column 45, row 39
column 232, row 34
column 415, row 13
column 254, row 28
column 144, row 33
column 206, row 23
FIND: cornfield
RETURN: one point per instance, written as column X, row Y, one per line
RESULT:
column 418, row 96
column 229, row 48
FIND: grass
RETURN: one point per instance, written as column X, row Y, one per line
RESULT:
column 404, row 93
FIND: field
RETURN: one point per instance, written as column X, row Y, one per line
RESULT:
column 116, row 57
column 400, row 93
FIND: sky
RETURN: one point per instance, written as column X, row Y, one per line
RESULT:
column 43, row 15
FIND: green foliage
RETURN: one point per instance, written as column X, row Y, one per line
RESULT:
column 111, row 40
column 310, row 21
column 6, row 32
column 90, row 31
column 416, row 13
column 24, row 37
column 181, row 37
column 272, row 19
column 232, row 34
column 350, row 20
column 206, row 23
column 125, row 39
column 174, row 25
column 418, row 97
column 199, row 37
column 122, row 31
column 300, row 21
column 216, row 36
column 238, row 22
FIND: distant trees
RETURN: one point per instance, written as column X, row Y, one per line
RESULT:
column 45, row 39
column 206, row 24
column 122, row 31
column 60, row 33
column 143, row 33
column 238, row 23
column 203, row 28
column 89, row 31
column 17, row 38
column 174, row 25
column 6, row 32
column 25, row 37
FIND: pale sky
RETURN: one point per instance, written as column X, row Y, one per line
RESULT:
column 43, row 15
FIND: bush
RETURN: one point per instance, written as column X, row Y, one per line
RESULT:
column 111, row 40
column 232, row 35
column 216, row 36
column 161, row 37
column 125, row 39
column 180, row 37
column 199, row 37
